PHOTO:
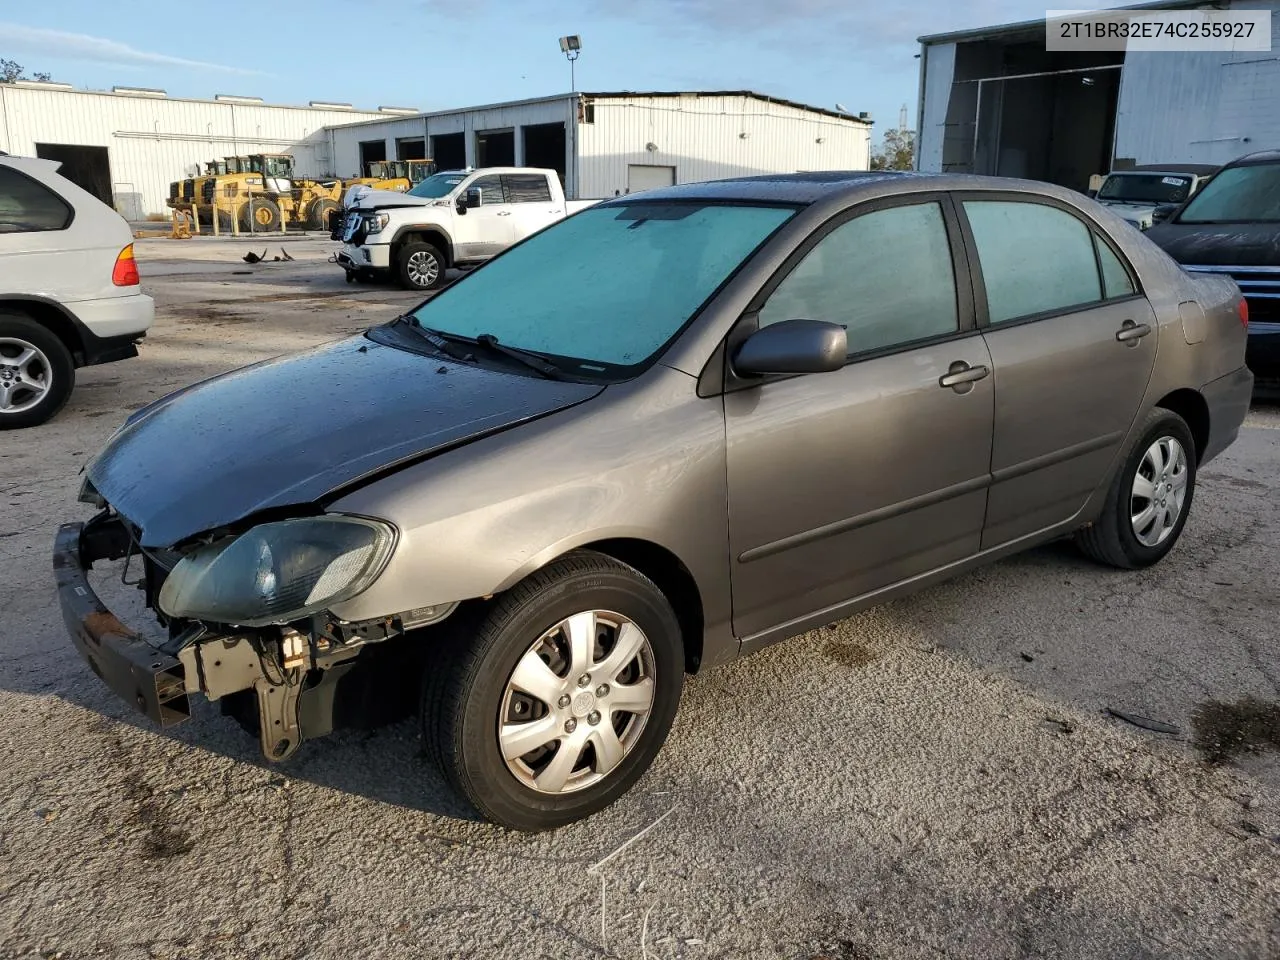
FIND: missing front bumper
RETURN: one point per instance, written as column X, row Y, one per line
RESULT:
column 152, row 681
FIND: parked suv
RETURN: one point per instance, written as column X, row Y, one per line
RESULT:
column 1232, row 228
column 69, row 294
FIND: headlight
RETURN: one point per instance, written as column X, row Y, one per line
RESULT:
column 278, row 572
column 375, row 222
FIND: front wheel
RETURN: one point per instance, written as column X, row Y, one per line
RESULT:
column 1150, row 498
column 420, row 266
column 561, row 699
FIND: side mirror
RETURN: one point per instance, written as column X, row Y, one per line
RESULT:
column 1091, row 194
column 1163, row 212
column 793, row 346
column 474, row 196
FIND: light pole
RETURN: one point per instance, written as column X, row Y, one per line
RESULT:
column 571, row 46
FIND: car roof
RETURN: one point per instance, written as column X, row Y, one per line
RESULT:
column 37, row 166
column 1261, row 156
column 833, row 185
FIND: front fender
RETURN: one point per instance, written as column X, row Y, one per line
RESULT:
column 643, row 461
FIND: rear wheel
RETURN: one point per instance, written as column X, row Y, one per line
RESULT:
column 563, row 696
column 1150, row 498
column 260, row 215
column 36, row 372
column 420, row 266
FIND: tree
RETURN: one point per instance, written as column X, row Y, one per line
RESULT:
column 897, row 153
column 11, row 70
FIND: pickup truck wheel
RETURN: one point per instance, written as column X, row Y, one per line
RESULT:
column 563, row 696
column 1150, row 498
column 36, row 372
column 420, row 267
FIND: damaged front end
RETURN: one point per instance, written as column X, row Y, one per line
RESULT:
column 248, row 625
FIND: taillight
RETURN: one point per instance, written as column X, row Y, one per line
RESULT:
column 1243, row 308
column 125, row 273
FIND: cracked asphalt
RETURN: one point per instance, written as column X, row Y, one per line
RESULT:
column 939, row 776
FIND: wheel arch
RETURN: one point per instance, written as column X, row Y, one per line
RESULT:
column 1190, row 405
column 51, row 315
column 423, row 234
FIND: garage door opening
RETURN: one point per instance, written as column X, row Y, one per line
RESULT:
column 449, row 151
column 371, row 151
column 411, row 148
column 544, row 146
column 642, row 176
column 1016, row 109
column 495, row 148
column 87, row 167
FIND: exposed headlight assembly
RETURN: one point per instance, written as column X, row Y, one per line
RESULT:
column 278, row 572
column 376, row 222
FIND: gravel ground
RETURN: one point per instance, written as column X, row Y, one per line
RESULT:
column 936, row 777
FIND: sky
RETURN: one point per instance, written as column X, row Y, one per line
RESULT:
column 436, row 55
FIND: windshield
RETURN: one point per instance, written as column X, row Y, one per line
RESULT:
column 1249, row 194
column 608, row 287
column 437, row 186
column 1154, row 188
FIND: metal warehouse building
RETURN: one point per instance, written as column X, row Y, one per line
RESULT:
column 126, row 146
column 603, row 144
column 995, row 101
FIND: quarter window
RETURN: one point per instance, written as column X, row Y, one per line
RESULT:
column 28, row 206
column 1116, row 281
column 886, row 275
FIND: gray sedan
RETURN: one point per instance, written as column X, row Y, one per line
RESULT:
column 664, row 433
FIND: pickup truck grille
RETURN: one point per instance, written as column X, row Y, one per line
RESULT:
column 1260, row 286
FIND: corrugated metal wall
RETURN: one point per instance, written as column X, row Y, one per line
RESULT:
column 346, row 141
column 151, row 141
column 699, row 136
column 702, row 138
column 1201, row 107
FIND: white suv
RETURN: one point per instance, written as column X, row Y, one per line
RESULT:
column 69, row 294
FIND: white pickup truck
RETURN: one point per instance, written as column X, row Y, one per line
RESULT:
column 451, row 219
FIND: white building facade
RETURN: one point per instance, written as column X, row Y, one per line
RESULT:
column 604, row 144
column 127, row 145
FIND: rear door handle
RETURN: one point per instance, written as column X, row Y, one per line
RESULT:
column 1132, row 331
column 960, row 375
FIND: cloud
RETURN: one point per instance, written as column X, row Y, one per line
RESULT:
column 804, row 24
column 61, row 45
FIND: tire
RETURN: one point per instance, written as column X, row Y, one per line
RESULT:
column 319, row 216
column 260, row 215
column 37, row 373
column 469, row 693
column 413, row 267
column 1118, row 538
column 351, row 276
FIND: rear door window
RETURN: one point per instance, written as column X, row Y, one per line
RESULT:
column 1036, row 259
column 28, row 206
column 526, row 188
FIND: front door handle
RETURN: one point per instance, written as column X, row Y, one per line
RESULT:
column 504, row 213
column 961, row 377
column 1130, row 331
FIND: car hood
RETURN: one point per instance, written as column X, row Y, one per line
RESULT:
column 1220, row 244
column 372, row 199
column 289, row 431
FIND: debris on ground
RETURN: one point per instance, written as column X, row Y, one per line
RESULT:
column 1224, row 730
column 1146, row 723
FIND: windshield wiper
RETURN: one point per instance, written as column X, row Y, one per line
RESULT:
column 533, row 361
column 433, row 337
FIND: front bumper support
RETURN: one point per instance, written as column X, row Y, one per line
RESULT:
column 152, row 681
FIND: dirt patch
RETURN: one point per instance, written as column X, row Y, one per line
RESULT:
column 1225, row 730
column 849, row 654
column 161, row 838
column 843, row 950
